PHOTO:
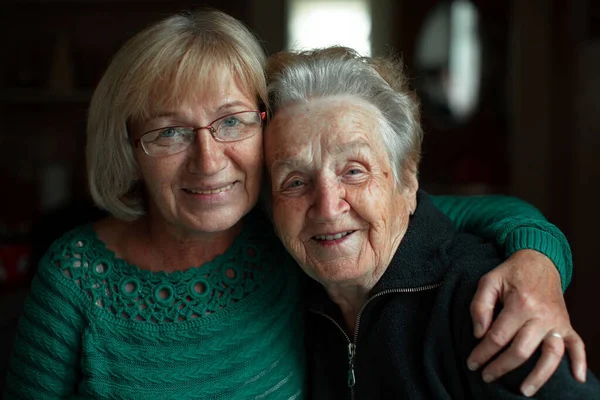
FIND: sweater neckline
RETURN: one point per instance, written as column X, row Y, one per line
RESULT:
column 131, row 268
column 246, row 272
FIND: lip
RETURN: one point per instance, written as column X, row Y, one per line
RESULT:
column 211, row 193
column 331, row 238
column 210, row 189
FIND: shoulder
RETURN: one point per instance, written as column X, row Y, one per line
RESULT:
column 470, row 256
column 70, row 255
column 59, row 281
column 70, row 246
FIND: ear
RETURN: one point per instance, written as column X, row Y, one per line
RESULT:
column 410, row 184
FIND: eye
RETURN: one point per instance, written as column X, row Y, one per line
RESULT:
column 167, row 136
column 296, row 183
column 292, row 185
column 353, row 171
column 172, row 132
column 230, row 122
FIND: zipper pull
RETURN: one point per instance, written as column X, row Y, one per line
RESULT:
column 351, row 355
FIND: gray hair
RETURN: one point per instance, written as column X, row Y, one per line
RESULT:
column 165, row 64
column 339, row 71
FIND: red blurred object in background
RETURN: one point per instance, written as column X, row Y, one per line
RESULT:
column 14, row 264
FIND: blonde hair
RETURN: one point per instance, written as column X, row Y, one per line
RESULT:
column 339, row 71
column 161, row 66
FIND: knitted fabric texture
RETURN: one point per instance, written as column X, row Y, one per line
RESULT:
column 512, row 224
column 98, row 327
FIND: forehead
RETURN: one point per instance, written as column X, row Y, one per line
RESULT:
column 206, row 88
column 329, row 122
column 217, row 86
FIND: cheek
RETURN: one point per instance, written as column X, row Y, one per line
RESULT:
column 249, row 157
column 159, row 173
column 288, row 215
column 372, row 201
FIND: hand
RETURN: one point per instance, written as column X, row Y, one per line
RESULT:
column 534, row 311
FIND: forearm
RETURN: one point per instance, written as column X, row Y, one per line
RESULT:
column 510, row 223
column 477, row 213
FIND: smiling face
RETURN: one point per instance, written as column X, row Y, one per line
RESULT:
column 336, row 206
column 211, row 185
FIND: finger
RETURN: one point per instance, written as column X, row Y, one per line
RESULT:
column 524, row 344
column 576, row 349
column 482, row 306
column 503, row 330
column 552, row 352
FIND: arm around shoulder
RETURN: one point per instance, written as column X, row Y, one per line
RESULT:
column 512, row 224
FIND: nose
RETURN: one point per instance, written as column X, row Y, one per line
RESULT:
column 207, row 156
column 329, row 203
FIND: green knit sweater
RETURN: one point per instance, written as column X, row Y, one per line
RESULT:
column 95, row 326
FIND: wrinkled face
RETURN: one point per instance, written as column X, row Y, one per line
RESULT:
column 210, row 186
column 336, row 206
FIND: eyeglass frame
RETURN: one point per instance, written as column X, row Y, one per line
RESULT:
column 263, row 117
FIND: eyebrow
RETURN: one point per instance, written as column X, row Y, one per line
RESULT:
column 352, row 146
column 221, row 109
column 287, row 164
column 233, row 104
column 349, row 147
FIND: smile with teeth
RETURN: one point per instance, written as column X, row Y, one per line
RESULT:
column 333, row 237
column 211, row 191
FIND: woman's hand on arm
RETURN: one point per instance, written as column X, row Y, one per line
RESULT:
column 529, row 287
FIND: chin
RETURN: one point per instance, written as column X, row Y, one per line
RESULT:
column 335, row 274
column 216, row 221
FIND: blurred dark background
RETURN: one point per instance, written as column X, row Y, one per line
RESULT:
column 528, row 128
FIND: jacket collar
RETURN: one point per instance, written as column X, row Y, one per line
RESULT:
column 429, row 231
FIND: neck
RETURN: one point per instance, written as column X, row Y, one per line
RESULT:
column 171, row 248
column 350, row 299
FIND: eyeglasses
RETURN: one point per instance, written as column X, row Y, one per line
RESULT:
column 175, row 139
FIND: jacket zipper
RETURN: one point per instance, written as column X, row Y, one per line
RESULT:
column 352, row 343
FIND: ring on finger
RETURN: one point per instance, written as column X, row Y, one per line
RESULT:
column 555, row 334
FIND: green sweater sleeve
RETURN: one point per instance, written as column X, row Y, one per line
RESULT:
column 44, row 362
column 512, row 224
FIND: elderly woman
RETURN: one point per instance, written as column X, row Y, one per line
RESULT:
column 390, row 318
column 184, row 291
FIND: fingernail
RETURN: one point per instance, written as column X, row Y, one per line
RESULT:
column 487, row 378
column 472, row 365
column 529, row 391
column 581, row 375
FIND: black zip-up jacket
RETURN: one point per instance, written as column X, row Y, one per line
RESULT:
column 414, row 335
